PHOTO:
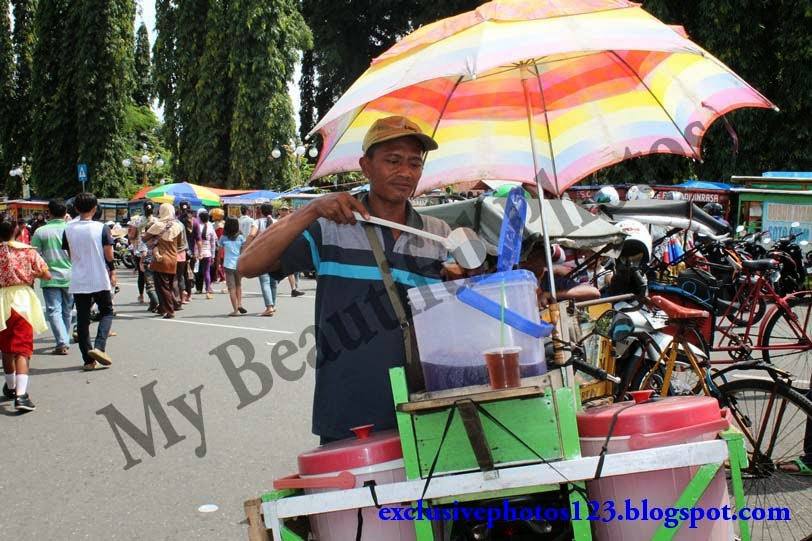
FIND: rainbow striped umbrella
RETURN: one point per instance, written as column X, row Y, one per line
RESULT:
column 540, row 91
column 180, row 191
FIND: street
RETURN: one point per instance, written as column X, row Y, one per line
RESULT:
column 65, row 475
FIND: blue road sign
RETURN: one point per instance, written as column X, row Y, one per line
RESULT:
column 82, row 171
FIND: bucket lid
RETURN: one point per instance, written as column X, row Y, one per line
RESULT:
column 364, row 449
column 661, row 415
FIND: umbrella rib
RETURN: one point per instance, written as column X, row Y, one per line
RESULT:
column 442, row 111
column 662, row 107
column 546, row 126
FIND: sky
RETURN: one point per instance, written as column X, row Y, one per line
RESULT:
column 146, row 13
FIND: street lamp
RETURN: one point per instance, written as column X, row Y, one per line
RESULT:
column 144, row 163
column 295, row 150
column 23, row 170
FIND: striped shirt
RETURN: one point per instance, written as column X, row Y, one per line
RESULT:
column 357, row 335
column 48, row 241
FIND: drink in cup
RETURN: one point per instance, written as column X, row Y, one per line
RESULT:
column 503, row 367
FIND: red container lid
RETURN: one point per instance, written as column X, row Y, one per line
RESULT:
column 660, row 415
column 364, row 450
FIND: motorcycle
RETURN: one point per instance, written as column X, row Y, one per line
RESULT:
column 122, row 255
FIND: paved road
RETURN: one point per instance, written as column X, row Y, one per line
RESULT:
column 64, row 473
column 66, row 476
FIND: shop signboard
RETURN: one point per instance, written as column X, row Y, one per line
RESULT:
column 778, row 217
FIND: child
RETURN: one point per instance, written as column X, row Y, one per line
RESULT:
column 20, row 264
column 232, row 242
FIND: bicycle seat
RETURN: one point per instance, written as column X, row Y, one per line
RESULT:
column 675, row 311
column 760, row 264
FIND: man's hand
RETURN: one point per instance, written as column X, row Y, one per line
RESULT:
column 113, row 280
column 338, row 207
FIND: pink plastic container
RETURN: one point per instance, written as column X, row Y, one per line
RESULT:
column 668, row 421
column 348, row 464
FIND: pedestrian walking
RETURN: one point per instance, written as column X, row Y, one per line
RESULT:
column 93, row 276
column 232, row 242
column 47, row 240
column 208, row 248
column 20, row 264
column 165, row 238
column 267, row 283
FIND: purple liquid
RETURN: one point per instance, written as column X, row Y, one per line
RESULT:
column 447, row 376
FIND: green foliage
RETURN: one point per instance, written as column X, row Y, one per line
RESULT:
column 207, row 131
column 266, row 40
column 18, row 143
column 6, row 87
column 164, row 71
column 143, row 89
column 55, row 145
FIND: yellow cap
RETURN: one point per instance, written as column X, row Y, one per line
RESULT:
column 393, row 127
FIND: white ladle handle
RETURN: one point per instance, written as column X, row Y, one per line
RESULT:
column 405, row 228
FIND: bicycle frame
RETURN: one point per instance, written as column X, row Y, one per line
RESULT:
column 739, row 343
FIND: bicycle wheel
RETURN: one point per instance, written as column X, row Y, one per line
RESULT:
column 778, row 332
column 781, row 415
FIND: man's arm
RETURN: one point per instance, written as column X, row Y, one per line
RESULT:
column 264, row 253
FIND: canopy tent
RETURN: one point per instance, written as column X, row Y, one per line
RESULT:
column 256, row 197
column 569, row 225
column 703, row 185
column 681, row 214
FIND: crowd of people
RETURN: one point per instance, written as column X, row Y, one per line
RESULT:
column 177, row 252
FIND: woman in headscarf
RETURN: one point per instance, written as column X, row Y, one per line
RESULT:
column 164, row 238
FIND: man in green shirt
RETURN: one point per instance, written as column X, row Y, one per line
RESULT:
column 58, row 301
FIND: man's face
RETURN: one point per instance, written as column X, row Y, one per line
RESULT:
column 394, row 169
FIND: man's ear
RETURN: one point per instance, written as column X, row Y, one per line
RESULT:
column 363, row 161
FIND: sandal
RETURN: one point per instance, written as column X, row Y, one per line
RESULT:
column 795, row 466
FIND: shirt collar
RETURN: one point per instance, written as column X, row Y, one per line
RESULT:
column 413, row 218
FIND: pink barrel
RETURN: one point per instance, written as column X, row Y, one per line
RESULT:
column 349, row 464
column 659, row 423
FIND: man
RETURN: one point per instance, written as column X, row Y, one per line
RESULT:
column 358, row 336
column 267, row 283
column 93, row 275
column 293, row 279
column 58, row 300
column 39, row 221
column 248, row 228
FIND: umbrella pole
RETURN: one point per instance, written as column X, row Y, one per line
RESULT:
column 560, row 333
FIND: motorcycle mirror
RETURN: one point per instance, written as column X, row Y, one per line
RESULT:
column 614, row 325
column 740, row 229
column 804, row 242
column 795, row 224
column 766, row 240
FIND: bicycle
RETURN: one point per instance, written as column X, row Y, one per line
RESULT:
column 771, row 414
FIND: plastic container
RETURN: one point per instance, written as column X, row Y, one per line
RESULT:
column 659, row 423
column 349, row 464
column 456, row 321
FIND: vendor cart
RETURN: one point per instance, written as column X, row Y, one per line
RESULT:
column 475, row 444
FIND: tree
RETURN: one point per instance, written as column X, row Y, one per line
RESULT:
column 266, row 40
column 207, row 131
column 103, row 84
column 6, row 88
column 55, row 146
column 164, row 73
column 190, row 45
column 19, row 142
column 143, row 91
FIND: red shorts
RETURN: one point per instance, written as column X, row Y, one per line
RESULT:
column 17, row 337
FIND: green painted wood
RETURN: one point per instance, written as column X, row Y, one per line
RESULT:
column 279, row 494
column 494, row 494
column 400, row 393
column 689, row 498
column 738, row 461
column 288, row 535
column 531, row 419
